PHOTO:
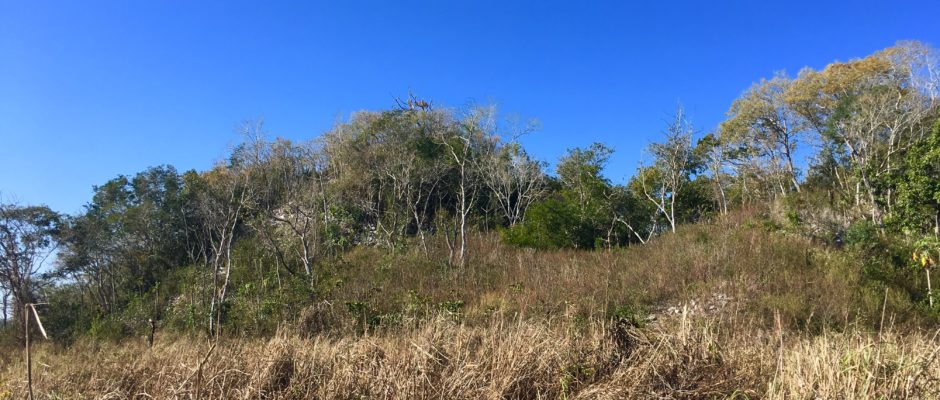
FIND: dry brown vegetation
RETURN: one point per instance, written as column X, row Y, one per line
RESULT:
column 725, row 309
column 680, row 357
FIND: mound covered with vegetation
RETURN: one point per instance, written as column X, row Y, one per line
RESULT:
column 733, row 307
column 423, row 252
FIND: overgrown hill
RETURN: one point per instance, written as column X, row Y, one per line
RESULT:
column 735, row 306
column 745, row 262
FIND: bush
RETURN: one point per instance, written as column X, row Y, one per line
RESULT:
column 550, row 224
column 862, row 234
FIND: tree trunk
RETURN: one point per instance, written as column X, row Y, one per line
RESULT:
column 228, row 274
column 418, row 223
column 790, row 169
column 672, row 211
column 464, row 210
column 929, row 288
column 876, row 217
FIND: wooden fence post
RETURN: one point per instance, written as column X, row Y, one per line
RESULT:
column 29, row 359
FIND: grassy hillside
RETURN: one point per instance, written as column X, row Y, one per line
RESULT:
column 736, row 307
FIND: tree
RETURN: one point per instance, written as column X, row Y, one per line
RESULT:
column 870, row 111
column 634, row 211
column 918, row 188
column 290, row 199
column 581, row 173
column 303, row 208
column 86, row 258
column 224, row 196
column 713, row 154
column 431, row 173
column 673, row 163
column 27, row 239
column 761, row 122
column 583, row 211
column 133, row 231
column 460, row 145
column 6, row 300
column 553, row 223
column 513, row 178
column 387, row 168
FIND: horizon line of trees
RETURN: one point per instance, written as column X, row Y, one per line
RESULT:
column 417, row 174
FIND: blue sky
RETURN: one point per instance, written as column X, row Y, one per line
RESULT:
column 90, row 90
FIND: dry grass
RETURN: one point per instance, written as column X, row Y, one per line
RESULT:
column 680, row 356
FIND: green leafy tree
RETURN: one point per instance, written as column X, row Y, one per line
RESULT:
column 27, row 239
column 581, row 213
column 133, row 232
column 918, row 188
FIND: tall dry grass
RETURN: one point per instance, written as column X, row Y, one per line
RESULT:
column 679, row 356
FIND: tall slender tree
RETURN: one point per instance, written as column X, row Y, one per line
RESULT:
column 672, row 163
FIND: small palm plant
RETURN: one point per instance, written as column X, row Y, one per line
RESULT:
column 925, row 251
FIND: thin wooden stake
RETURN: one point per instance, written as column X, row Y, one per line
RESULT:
column 29, row 359
column 929, row 288
column 884, row 307
column 153, row 330
column 39, row 321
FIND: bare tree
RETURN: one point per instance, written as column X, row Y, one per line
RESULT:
column 459, row 145
column 717, row 160
column 303, row 210
column 221, row 205
column 225, row 197
column 662, row 181
column 512, row 177
column 425, row 182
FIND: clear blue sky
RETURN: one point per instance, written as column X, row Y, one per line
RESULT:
column 93, row 89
